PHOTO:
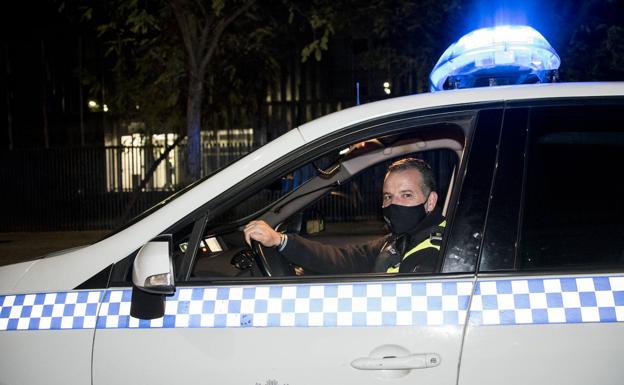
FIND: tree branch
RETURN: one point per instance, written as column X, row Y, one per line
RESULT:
column 200, row 4
column 185, row 31
column 205, row 32
column 148, row 176
column 218, row 31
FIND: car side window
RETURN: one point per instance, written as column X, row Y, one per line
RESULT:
column 348, row 214
column 333, row 208
column 351, row 213
column 572, row 214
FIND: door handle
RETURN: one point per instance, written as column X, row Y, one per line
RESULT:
column 413, row 361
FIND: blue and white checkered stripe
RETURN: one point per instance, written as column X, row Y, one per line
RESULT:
column 45, row 311
column 351, row 305
column 495, row 302
column 551, row 300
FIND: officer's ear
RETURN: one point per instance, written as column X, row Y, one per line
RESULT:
column 431, row 201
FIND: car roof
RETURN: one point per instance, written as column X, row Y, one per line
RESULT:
column 327, row 124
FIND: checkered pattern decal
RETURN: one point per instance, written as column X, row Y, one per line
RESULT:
column 495, row 302
column 72, row 310
column 384, row 304
column 544, row 301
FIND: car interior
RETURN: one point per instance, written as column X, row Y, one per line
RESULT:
column 334, row 199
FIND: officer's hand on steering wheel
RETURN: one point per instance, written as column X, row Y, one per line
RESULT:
column 262, row 239
column 263, row 233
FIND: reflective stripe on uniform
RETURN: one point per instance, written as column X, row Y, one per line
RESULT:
column 421, row 246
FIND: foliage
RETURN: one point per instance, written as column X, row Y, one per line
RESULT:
column 142, row 67
column 594, row 50
column 391, row 38
column 321, row 16
column 408, row 37
column 152, row 60
column 145, row 50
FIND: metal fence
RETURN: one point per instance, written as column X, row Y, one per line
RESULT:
column 92, row 188
column 127, row 166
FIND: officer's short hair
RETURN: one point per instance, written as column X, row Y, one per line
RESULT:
column 428, row 180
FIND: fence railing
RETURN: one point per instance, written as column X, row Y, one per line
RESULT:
column 127, row 166
column 92, row 188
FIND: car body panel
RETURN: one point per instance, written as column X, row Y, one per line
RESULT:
column 10, row 275
column 60, row 357
column 543, row 354
column 47, row 337
column 283, row 333
column 255, row 355
column 543, row 330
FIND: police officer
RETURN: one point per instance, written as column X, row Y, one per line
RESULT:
column 409, row 208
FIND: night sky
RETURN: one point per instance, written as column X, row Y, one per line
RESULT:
column 42, row 47
column 39, row 61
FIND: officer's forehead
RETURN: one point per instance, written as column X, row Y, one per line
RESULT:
column 408, row 176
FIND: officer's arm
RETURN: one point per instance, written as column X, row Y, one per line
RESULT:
column 330, row 259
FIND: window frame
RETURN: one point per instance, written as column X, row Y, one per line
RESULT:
column 503, row 227
column 359, row 132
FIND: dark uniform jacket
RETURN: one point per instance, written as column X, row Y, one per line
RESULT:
column 416, row 251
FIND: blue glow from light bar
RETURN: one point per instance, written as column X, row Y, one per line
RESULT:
column 512, row 53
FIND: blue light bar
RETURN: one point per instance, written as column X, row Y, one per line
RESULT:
column 496, row 56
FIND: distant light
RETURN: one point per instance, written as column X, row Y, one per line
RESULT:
column 92, row 104
column 499, row 55
column 137, row 106
column 386, row 87
column 105, row 108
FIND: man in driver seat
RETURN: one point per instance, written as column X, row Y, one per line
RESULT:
column 409, row 208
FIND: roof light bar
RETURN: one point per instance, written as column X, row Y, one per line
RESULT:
column 496, row 56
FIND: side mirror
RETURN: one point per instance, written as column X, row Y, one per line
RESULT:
column 152, row 270
column 152, row 278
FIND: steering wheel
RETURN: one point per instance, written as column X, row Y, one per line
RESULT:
column 271, row 262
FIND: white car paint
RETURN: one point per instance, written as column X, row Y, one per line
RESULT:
column 64, row 272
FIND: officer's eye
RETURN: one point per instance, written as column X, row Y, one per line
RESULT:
column 406, row 195
column 386, row 198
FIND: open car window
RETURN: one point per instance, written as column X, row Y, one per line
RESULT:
column 334, row 199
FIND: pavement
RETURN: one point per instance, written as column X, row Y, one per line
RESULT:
column 22, row 246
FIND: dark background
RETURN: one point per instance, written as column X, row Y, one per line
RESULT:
column 278, row 65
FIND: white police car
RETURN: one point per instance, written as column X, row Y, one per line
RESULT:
column 530, row 288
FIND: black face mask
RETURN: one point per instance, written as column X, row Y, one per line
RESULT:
column 402, row 219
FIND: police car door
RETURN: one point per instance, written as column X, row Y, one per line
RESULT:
column 362, row 329
column 548, row 307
